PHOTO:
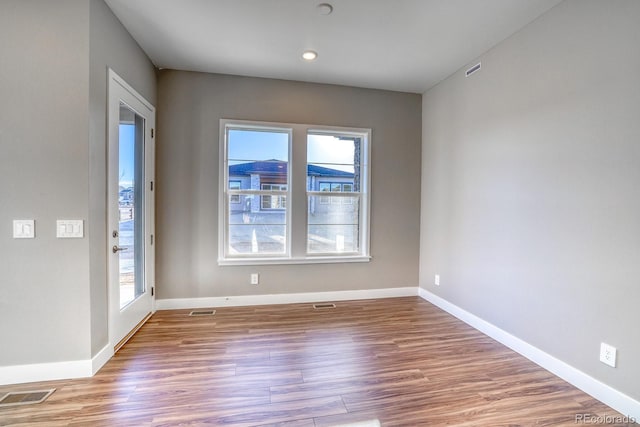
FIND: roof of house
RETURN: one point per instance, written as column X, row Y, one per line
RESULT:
column 275, row 167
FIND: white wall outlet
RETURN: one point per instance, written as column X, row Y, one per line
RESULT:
column 436, row 280
column 69, row 228
column 255, row 278
column 24, row 229
column 608, row 354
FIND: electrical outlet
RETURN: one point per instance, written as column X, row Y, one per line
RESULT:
column 255, row 278
column 608, row 354
column 436, row 280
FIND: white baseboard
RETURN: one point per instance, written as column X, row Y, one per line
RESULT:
column 248, row 300
column 100, row 359
column 36, row 372
column 617, row 400
column 18, row 374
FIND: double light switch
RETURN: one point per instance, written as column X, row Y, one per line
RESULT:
column 65, row 228
column 69, row 228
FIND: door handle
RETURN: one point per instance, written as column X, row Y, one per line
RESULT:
column 115, row 249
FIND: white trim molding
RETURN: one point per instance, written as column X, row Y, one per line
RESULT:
column 617, row 400
column 18, row 374
column 101, row 358
column 295, row 250
column 268, row 299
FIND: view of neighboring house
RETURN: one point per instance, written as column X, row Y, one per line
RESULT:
column 272, row 175
column 125, row 196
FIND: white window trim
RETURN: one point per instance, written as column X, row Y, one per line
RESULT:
column 224, row 192
column 301, row 260
column 365, row 185
column 295, row 252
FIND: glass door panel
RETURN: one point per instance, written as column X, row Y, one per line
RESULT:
column 130, row 205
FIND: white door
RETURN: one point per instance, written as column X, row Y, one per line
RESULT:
column 131, row 122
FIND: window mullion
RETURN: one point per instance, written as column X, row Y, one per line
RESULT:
column 298, row 192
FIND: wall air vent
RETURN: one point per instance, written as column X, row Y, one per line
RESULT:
column 473, row 69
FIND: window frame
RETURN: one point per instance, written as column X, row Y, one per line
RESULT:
column 340, row 197
column 225, row 193
column 297, row 194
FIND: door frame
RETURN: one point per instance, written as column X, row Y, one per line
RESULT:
column 117, row 89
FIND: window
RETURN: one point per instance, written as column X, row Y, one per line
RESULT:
column 258, row 227
column 274, row 202
column 347, row 188
column 324, row 187
column 235, row 185
column 334, row 226
column 334, row 187
column 275, row 181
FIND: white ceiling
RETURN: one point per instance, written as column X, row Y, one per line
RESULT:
column 402, row 45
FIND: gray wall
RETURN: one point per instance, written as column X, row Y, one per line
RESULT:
column 44, row 123
column 530, row 187
column 53, row 304
column 189, row 108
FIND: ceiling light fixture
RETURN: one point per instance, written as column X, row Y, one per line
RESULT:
column 324, row 9
column 309, row 55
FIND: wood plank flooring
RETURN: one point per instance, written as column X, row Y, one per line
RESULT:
column 400, row 360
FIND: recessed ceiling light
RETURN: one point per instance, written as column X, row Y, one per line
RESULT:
column 324, row 9
column 309, row 55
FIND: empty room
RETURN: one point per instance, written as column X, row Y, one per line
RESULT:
column 319, row 213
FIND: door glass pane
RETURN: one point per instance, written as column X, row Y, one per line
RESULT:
column 131, row 205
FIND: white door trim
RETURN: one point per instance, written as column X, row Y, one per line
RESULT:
column 119, row 90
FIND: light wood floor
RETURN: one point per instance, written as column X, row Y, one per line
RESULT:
column 401, row 360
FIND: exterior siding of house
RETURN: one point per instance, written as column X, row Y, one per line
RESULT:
column 254, row 180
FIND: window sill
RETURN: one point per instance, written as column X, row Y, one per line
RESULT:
column 306, row 260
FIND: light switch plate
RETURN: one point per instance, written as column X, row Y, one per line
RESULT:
column 69, row 228
column 24, row 229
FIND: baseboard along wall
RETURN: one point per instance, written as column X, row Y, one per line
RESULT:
column 86, row 368
column 35, row 372
column 269, row 299
column 617, row 400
